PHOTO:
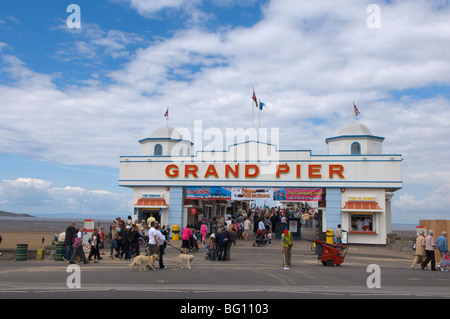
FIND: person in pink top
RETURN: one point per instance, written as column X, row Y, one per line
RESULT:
column 186, row 234
column 203, row 232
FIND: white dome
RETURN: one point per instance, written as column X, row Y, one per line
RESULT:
column 167, row 132
column 354, row 129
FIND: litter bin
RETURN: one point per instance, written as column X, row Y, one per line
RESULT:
column 60, row 252
column 39, row 254
column 176, row 232
column 330, row 236
column 21, row 252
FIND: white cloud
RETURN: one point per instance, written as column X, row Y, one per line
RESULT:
column 307, row 61
column 28, row 195
column 91, row 43
column 148, row 7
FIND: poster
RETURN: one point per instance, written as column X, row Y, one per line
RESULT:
column 251, row 193
column 208, row 193
column 298, row 194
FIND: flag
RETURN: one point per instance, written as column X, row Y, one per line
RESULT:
column 254, row 98
column 167, row 112
column 261, row 105
column 355, row 109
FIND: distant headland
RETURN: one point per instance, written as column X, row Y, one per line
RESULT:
column 7, row 214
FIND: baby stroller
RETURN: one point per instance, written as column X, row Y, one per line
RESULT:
column 261, row 239
column 208, row 253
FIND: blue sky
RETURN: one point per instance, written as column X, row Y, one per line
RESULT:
column 74, row 100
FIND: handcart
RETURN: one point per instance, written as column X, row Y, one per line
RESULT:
column 330, row 254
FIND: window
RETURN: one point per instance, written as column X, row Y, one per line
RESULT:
column 356, row 148
column 158, row 149
column 363, row 223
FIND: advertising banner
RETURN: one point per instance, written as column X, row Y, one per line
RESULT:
column 298, row 194
column 208, row 193
column 249, row 193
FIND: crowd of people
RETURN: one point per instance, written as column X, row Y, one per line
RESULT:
column 426, row 247
column 127, row 238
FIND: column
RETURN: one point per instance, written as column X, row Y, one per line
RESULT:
column 176, row 206
column 333, row 218
column 388, row 198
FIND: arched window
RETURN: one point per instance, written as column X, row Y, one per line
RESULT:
column 356, row 148
column 158, row 149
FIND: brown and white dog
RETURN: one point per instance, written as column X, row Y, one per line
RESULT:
column 185, row 257
column 148, row 261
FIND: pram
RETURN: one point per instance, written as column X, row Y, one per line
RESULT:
column 211, row 254
column 261, row 239
column 208, row 253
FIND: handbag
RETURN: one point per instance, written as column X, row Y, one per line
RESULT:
column 446, row 261
column 76, row 242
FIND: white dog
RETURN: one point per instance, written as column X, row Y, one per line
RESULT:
column 148, row 261
column 186, row 257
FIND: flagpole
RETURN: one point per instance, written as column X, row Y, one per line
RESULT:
column 253, row 117
column 259, row 119
column 167, row 117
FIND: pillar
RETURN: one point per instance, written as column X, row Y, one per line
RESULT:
column 333, row 215
column 176, row 206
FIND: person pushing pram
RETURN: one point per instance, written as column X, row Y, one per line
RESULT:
column 261, row 235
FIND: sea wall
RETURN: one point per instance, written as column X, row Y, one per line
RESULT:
column 401, row 243
column 48, row 253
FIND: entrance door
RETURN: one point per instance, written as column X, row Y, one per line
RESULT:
column 146, row 213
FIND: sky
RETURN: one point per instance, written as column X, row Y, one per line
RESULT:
column 72, row 100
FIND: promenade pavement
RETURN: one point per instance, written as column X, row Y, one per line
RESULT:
column 252, row 272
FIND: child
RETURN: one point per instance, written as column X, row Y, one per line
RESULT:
column 269, row 237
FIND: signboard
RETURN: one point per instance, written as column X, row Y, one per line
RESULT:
column 89, row 224
column 361, row 199
column 252, row 193
column 208, row 193
column 249, row 193
column 294, row 227
column 298, row 194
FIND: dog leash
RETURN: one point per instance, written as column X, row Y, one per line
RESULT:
column 176, row 248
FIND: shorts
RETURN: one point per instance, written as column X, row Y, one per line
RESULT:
column 184, row 243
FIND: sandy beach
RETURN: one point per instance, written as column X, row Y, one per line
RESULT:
column 31, row 230
column 33, row 239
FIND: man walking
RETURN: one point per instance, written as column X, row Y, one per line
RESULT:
column 71, row 232
column 286, row 247
column 78, row 247
column 442, row 246
column 222, row 242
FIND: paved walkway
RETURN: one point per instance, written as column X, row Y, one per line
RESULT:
column 252, row 272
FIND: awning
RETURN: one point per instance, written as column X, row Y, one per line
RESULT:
column 361, row 206
column 151, row 203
